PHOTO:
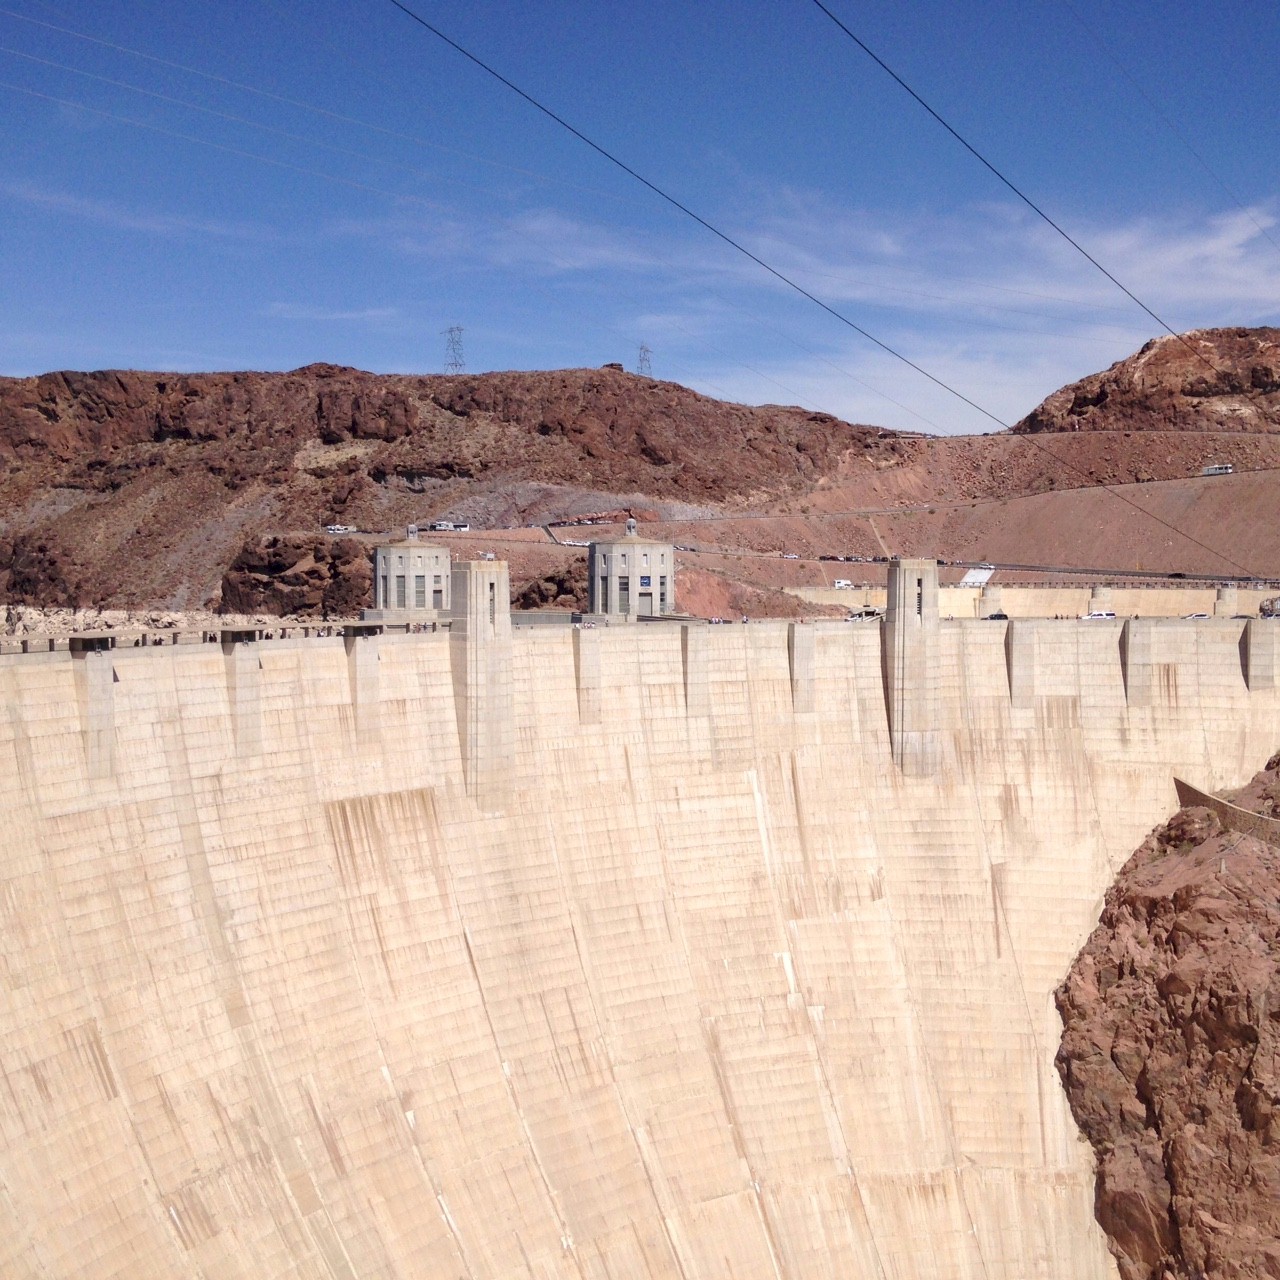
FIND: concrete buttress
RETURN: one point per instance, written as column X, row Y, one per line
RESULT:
column 1135, row 661
column 1020, row 658
column 362, row 676
column 800, row 646
column 910, row 653
column 693, row 661
column 95, row 693
column 1258, row 653
column 244, row 693
column 480, row 661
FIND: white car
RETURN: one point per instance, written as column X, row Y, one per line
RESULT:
column 1096, row 613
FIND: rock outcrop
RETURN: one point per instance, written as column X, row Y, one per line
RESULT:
column 1205, row 380
column 1171, row 1051
column 559, row 589
column 301, row 577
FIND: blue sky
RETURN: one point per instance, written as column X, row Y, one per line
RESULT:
column 200, row 225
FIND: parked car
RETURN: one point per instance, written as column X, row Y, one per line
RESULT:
column 998, row 616
column 1097, row 613
column 1194, row 617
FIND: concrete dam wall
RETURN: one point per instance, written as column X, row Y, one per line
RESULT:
column 656, row 951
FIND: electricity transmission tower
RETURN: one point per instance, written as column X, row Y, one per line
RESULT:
column 453, row 361
column 644, row 365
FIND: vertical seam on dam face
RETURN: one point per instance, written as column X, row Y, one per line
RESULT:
column 408, row 967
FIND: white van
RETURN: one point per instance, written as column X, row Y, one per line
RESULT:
column 842, row 584
column 1097, row 613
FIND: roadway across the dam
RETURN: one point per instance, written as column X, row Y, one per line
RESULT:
column 645, row 951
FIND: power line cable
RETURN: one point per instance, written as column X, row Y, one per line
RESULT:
column 688, row 212
column 362, row 186
column 299, row 103
column 392, row 133
column 426, row 173
column 347, row 182
column 236, row 119
column 773, row 271
column 1017, row 191
column 841, row 278
column 638, row 177
column 216, row 146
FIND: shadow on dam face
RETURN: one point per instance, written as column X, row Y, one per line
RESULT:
column 316, row 966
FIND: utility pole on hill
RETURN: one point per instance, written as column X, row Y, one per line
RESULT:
column 453, row 361
column 644, row 365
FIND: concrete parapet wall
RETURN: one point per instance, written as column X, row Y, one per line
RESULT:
column 717, row 989
column 1233, row 817
column 1060, row 602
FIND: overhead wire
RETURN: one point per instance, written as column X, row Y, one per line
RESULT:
column 299, row 103
column 1017, row 191
column 687, row 211
column 232, row 118
column 735, row 244
column 792, row 284
column 216, row 146
column 357, row 122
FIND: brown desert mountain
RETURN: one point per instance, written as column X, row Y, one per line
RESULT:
column 175, row 490
column 1171, row 1050
column 1205, row 380
column 126, row 487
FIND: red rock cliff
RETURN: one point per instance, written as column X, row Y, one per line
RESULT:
column 1171, row 1051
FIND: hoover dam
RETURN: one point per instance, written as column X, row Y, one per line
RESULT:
column 659, row 950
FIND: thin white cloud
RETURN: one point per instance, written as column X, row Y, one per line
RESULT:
column 125, row 219
column 323, row 315
column 998, row 307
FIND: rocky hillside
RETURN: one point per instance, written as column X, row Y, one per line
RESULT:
column 145, row 490
column 1171, row 1050
column 136, row 486
column 1205, row 380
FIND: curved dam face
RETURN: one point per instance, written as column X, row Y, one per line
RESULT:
column 636, row 952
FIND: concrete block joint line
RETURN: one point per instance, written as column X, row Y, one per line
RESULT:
column 656, row 950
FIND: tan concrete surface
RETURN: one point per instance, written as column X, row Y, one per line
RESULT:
column 713, row 990
column 1064, row 602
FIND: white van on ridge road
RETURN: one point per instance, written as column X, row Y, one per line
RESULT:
column 1097, row 613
